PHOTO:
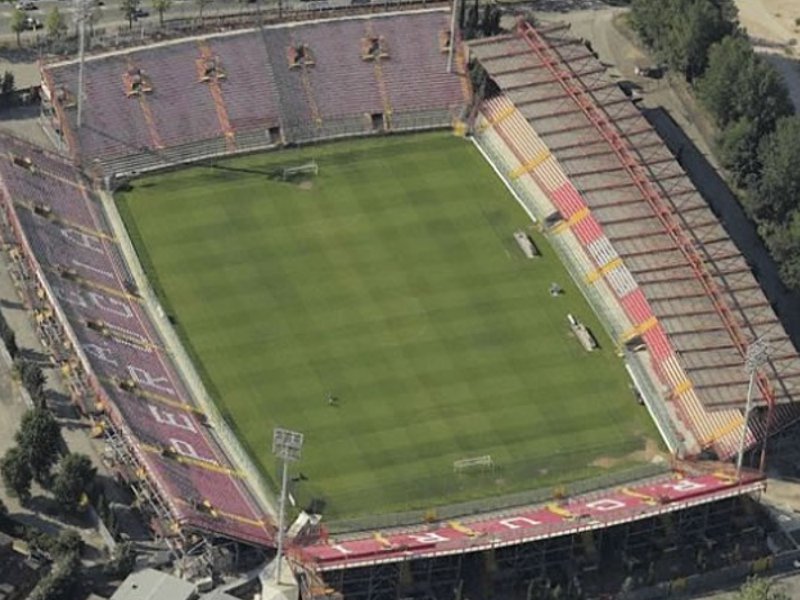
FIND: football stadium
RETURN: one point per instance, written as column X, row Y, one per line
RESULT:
column 516, row 340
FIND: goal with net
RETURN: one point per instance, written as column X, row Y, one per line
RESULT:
column 298, row 171
column 475, row 463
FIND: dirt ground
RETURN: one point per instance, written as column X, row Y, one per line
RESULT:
column 774, row 29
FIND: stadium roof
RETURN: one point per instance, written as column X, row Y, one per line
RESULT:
column 698, row 284
column 150, row 584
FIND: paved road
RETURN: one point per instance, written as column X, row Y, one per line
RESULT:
column 110, row 15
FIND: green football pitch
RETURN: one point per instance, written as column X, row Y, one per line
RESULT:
column 390, row 280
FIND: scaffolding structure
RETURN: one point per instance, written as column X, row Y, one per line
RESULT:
column 657, row 549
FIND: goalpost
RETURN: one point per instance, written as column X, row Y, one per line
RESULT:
column 309, row 168
column 476, row 463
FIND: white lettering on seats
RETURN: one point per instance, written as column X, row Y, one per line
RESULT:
column 112, row 305
column 100, row 352
column 605, row 504
column 685, row 485
column 101, row 301
column 180, row 420
column 83, row 265
column 70, row 296
column 84, row 240
column 186, row 449
column 143, row 377
column 518, row 522
column 429, row 538
column 340, row 548
column 130, row 338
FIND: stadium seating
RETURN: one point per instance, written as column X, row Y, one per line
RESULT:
column 139, row 387
column 173, row 74
column 415, row 79
column 342, row 83
column 250, row 90
column 262, row 99
column 720, row 429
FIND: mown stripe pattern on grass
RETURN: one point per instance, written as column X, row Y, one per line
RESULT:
column 394, row 283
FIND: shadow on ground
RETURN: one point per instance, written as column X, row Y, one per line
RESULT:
column 730, row 213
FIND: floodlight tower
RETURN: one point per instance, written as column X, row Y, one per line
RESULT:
column 287, row 446
column 757, row 355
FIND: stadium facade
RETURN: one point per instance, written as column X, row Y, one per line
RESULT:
column 650, row 256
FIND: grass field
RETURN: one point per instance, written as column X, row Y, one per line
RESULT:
column 392, row 281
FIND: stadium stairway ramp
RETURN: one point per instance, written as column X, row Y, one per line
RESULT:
column 308, row 89
column 215, row 89
column 716, row 429
column 300, row 115
column 66, row 129
column 147, row 113
column 381, row 81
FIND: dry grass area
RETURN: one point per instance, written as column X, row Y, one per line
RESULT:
column 770, row 20
column 774, row 27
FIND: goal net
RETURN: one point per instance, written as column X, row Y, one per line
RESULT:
column 475, row 463
column 299, row 171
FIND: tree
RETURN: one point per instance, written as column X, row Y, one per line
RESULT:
column 760, row 589
column 761, row 95
column 60, row 583
column 6, row 333
column 16, row 473
column 18, row 23
column 738, row 150
column 778, row 192
column 681, row 31
column 94, row 16
column 783, row 241
column 691, row 35
column 9, row 339
column 129, row 9
column 122, row 561
column 39, row 440
column 55, row 24
column 201, row 4
column 68, row 542
column 473, row 19
column 725, row 62
column 75, row 475
column 33, row 379
column 161, row 6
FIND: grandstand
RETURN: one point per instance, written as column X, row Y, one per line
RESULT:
column 69, row 268
column 653, row 260
column 677, row 293
column 265, row 98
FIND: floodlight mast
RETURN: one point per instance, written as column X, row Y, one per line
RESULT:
column 287, row 446
column 757, row 355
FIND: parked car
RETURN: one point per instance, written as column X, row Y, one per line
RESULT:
column 26, row 5
column 140, row 13
column 651, row 72
column 31, row 24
